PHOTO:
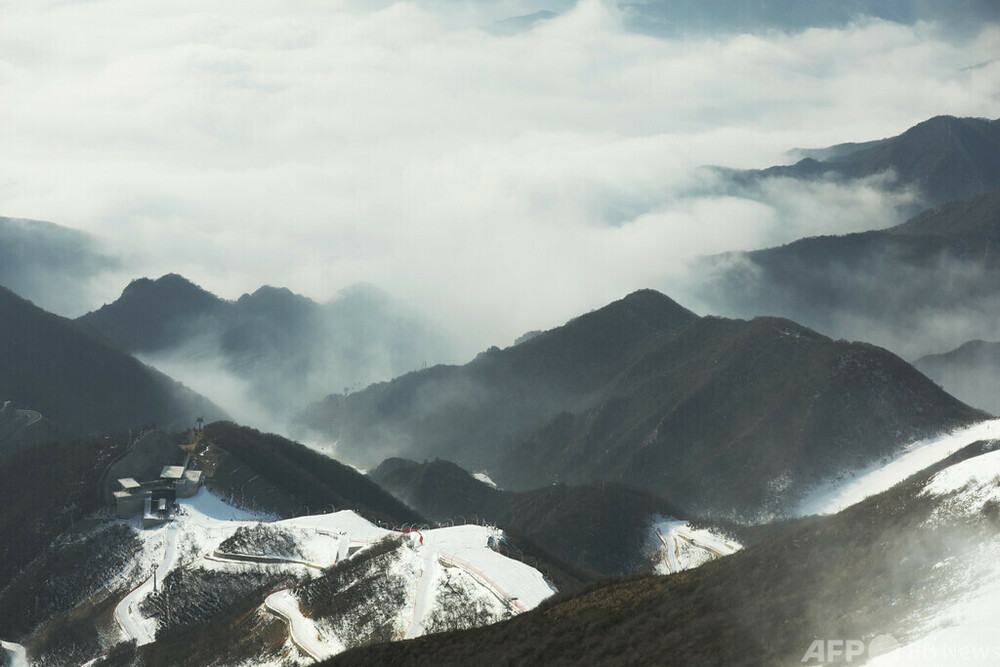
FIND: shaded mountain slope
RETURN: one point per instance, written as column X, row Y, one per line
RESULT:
column 720, row 415
column 24, row 428
column 471, row 414
column 737, row 416
column 286, row 478
column 80, row 382
column 860, row 574
column 43, row 489
column 945, row 157
column 153, row 314
column 928, row 283
column 603, row 527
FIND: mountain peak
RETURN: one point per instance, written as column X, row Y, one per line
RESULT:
column 166, row 286
column 144, row 317
column 276, row 303
column 650, row 298
column 946, row 157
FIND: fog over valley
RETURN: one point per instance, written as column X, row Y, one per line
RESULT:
column 456, row 332
column 496, row 183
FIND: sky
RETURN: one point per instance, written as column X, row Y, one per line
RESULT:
column 498, row 183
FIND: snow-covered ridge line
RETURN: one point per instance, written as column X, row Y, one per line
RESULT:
column 844, row 491
column 961, row 627
column 973, row 473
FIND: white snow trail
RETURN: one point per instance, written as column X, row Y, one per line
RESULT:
column 131, row 621
column 18, row 656
column 837, row 494
column 423, row 599
column 301, row 629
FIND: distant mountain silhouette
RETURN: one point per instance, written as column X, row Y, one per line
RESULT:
column 81, row 383
column 928, row 283
column 288, row 348
column 603, row 527
column 723, row 416
column 970, row 372
column 945, row 157
column 50, row 265
column 679, row 17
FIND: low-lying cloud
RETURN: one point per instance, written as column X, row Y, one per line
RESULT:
column 499, row 183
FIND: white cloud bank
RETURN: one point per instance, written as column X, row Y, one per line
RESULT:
column 500, row 183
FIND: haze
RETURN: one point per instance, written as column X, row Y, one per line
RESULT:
column 498, row 182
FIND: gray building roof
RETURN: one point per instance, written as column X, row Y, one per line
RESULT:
column 172, row 472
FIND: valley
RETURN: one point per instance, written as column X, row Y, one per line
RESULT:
column 534, row 332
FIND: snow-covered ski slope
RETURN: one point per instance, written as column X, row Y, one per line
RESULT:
column 141, row 629
column 853, row 487
column 431, row 559
column 444, row 575
column 681, row 547
column 963, row 629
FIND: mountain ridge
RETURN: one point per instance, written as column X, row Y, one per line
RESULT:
column 677, row 409
column 79, row 381
column 926, row 283
column 945, row 157
column 283, row 347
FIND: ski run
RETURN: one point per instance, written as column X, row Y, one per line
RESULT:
column 460, row 557
column 683, row 547
column 851, row 488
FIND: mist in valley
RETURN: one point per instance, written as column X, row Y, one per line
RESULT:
column 492, row 181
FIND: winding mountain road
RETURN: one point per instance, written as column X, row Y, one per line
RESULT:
column 301, row 629
column 142, row 630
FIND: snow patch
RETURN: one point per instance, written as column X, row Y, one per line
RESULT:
column 485, row 479
column 966, row 487
column 851, row 488
column 962, row 631
column 16, row 653
column 681, row 547
column 979, row 471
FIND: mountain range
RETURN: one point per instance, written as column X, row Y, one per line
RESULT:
column 970, row 372
column 285, row 348
column 944, row 158
column 919, row 287
column 603, row 528
column 797, row 489
column 894, row 569
column 722, row 416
